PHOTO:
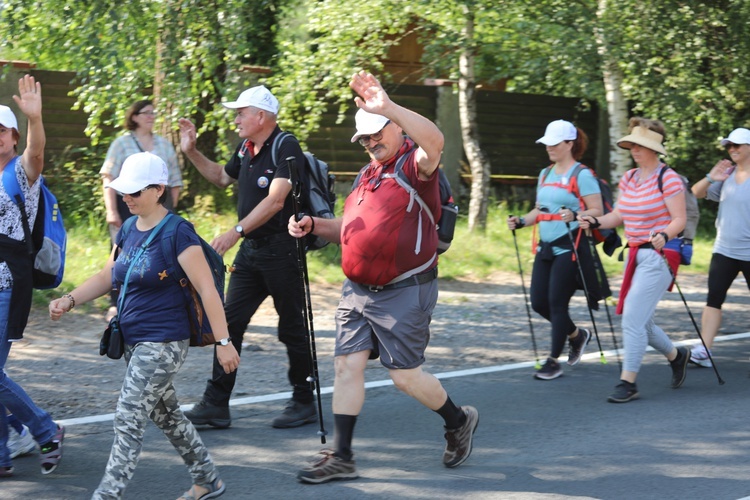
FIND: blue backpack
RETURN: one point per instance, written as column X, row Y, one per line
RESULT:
column 47, row 240
column 201, row 333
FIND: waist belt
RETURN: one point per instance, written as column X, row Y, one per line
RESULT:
column 417, row 279
column 256, row 243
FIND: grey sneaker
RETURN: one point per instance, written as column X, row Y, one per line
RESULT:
column 550, row 370
column 458, row 448
column 679, row 367
column 624, row 392
column 296, row 414
column 327, row 467
column 578, row 345
column 20, row 444
column 208, row 414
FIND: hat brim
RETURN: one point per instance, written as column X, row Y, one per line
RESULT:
column 628, row 141
column 550, row 141
column 369, row 131
column 125, row 186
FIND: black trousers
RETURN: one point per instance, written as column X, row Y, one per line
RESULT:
column 271, row 270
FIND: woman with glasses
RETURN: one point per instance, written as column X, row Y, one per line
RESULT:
column 726, row 184
column 155, row 329
column 139, row 137
column 555, row 276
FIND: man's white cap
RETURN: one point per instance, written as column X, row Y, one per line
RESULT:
column 368, row 124
column 558, row 131
column 257, row 97
column 737, row 136
column 7, row 118
column 138, row 171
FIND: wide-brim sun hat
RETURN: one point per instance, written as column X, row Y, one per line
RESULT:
column 737, row 136
column 257, row 97
column 643, row 137
column 557, row 132
column 139, row 171
column 368, row 124
column 8, row 118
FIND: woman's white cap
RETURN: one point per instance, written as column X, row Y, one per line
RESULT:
column 139, row 171
column 557, row 132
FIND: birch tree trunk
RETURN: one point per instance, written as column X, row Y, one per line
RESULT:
column 467, row 111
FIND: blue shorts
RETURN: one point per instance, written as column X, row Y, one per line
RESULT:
column 393, row 323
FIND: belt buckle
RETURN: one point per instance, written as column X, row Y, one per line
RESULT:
column 374, row 288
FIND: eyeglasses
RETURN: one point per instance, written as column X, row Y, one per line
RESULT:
column 732, row 145
column 151, row 113
column 365, row 139
column 138, row 194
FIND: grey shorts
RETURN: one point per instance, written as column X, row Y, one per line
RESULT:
column 392, row 323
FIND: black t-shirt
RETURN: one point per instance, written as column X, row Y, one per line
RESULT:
column 254, row 175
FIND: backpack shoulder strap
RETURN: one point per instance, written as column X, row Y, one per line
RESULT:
column 169, row 248
column 543, row 175
column 10, row 183
column 276, row 145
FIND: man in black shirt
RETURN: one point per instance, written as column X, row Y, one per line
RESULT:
column 266, row 262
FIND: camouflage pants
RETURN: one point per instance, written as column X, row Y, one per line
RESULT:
column 148, row 392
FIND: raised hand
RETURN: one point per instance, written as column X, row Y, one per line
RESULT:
column 29, row 100
column 188, row 135
column 720, row 172
column 371, row 96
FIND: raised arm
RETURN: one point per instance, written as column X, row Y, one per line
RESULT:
column 29, row 101
column 212, row 171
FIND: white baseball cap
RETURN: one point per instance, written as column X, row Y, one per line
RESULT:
column 368, row 124
column 138, row 171
column 558, row 131
column 737, row 136
column 257, row 97
column 8, row 118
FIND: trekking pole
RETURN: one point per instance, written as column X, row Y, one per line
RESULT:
column 601, row 277
column 695, row 323
column 538, row 365
column 586, row 292
column 307, row 312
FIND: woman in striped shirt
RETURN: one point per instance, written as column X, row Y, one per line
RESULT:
column 651, row 216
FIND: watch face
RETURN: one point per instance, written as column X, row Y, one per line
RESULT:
column 238, row 228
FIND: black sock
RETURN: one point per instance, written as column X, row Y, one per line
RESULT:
column 343, row 432
column 628, row 384
column 453, row 416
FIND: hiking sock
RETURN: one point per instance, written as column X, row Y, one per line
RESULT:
column 343, row 426
column 15, row 423
column 453, row 416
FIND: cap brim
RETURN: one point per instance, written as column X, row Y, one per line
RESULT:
column 125, row 186
column 628, row 141
column 548, row 141
column 234, row 105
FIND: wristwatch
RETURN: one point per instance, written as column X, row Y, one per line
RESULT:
column 224, row 341
column 239, row 230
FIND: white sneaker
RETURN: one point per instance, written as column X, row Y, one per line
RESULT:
column 699, row 356
column 20, row 444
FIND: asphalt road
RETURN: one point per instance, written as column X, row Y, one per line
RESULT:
column 536, row 439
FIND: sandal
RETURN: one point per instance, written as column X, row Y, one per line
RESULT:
column 51, row 458
column 215, row 490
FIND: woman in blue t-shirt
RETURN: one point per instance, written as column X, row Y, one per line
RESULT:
column 155, row 328
column 555, row 275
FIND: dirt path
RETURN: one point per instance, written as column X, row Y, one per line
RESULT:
column 475, row 324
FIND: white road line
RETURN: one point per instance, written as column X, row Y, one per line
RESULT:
column 282, row 396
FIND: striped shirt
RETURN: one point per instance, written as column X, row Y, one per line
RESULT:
column 641, row 204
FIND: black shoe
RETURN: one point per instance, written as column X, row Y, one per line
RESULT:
column 577, row 346
column 549, row 370
column 624, row 392
column 296, row 414
column 208, row 414
column 679, row 367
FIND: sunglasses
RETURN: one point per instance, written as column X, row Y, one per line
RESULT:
column 365, row 139
column 137, row 194
column 732, row 145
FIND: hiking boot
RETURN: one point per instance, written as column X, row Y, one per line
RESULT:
column 208, row 414
column 577, row 346
column 20, row 444
column 699, row 356
column 296, row 414
column 679, row 367
column 549, row 370
column 326, row 467
column 458, row 448
column 624, row 392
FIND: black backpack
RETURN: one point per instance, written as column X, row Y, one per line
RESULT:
column 318, row 195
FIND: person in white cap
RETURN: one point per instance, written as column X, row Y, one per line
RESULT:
column 726, row 184
column 266, row 262
column 139, row 136
column 16, row 270
column 651, row 216
column 155, row 329
column 389, row 256
column 565, row 189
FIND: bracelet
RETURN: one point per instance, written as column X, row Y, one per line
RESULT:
column 312, row 225
column 71, row 300
column 596, row 224
column 665, row 236
column 709, row 179
column 521, row 223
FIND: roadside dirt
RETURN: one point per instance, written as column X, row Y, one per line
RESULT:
column 476, row 323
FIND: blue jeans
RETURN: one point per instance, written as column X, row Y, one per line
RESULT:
column 14, row 398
